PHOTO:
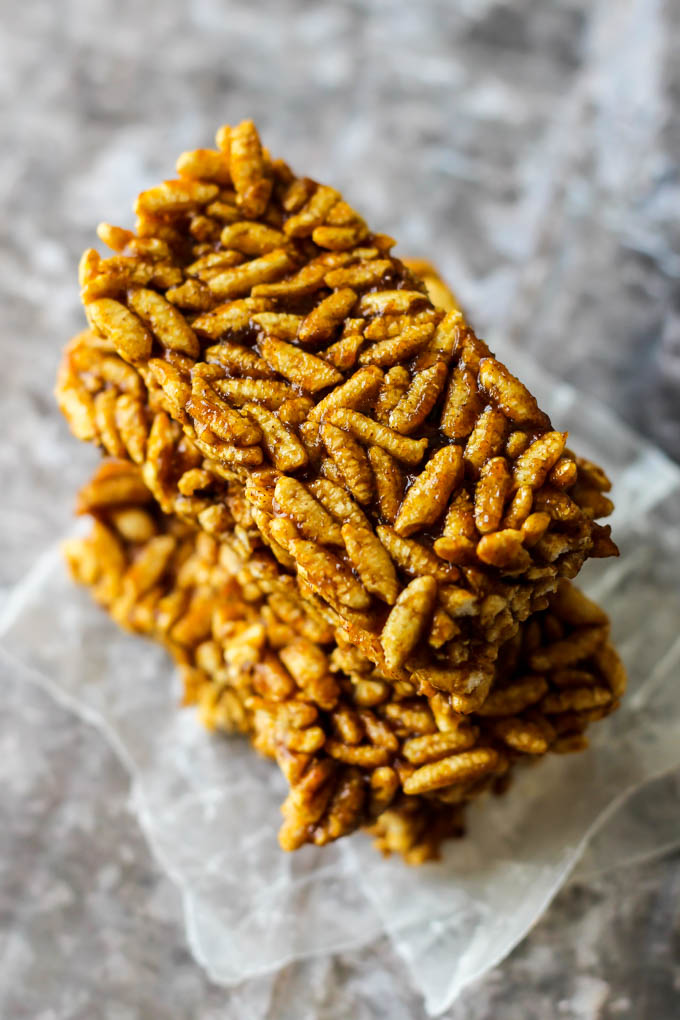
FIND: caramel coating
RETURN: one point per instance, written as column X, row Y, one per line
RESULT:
column 356, row 751
column 261, row 314
column 351, row 525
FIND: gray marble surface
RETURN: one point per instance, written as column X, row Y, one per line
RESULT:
column 531, row 150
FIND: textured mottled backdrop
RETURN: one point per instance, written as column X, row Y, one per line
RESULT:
column 531, row 150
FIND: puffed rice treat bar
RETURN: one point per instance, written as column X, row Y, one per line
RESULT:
column 393, row 465
column 355, row 750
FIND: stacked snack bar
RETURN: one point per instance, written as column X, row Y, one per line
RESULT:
column 374, row 480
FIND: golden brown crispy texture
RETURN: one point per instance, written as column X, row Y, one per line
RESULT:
column 317, row 522
column 356, row 750
column 258, row 312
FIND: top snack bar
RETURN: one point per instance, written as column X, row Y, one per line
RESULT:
column 406, row 479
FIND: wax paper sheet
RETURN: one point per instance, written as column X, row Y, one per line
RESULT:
column 209, row 805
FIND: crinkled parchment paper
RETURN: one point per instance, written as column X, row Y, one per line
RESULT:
column 209, row 805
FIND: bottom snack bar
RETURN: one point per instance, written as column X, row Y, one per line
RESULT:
column 355, row 750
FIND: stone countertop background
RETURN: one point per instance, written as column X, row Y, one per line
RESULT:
column 532, row 151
